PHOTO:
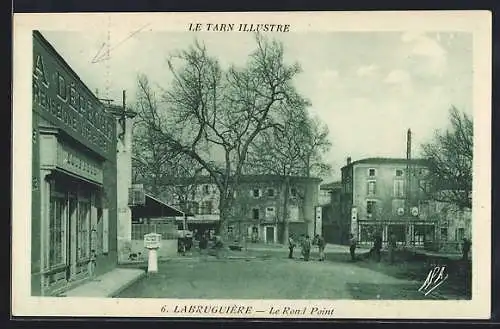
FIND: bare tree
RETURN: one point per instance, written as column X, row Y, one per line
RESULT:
column 450, row 161
column 213, row 115
column 297, row 149
column 154, row 163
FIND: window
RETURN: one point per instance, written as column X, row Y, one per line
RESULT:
column 270, row 212
column 270, row 192
column 370, row 207
column 255, row 213
column 371, row 172
column 293, row 213
column 56, row 231
column 460, row 234
column 399, row 173
column 83, row 238
column 230, row 229
column 206, row 189
column 206, row 207
column 256, row 193
column 371, row 187
column 444, row 234
column 293, row 192
column 425, row 185
column 399, row 188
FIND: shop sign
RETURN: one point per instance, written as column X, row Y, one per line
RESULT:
column 78, row 163
column 61, row 98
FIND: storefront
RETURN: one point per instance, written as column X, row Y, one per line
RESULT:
column 409, row 233
column 74, row 176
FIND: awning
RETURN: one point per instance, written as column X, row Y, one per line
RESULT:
column 154, row 208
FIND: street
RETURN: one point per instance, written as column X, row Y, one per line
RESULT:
column 270, row 275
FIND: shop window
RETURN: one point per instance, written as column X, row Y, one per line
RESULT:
column 56, row 232
column 372, row 187
column 83, row 225
column 255, row 213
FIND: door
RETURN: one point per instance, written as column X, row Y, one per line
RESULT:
column 270, row 234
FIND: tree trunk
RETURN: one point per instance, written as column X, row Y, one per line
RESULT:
column 224, row 214
column 286, row 225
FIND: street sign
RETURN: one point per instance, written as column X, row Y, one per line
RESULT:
column 152, row 241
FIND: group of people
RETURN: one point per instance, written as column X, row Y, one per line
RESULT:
column 305, row 243
column 375, row 251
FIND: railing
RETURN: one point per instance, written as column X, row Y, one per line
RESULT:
column 167, row 231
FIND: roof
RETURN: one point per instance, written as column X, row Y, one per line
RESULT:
column 243, row 179
column 419, row 161
column 331, row 186
column 154, row 208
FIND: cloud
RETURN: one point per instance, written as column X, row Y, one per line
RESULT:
column 366, row 70
column 426, row 53
column 400, row 82
column 397, row 76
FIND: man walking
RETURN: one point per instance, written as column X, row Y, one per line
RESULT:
column 306, row 248
column 377, row 246
column 321, row 247
column 352, row 246
column 291, row 245
column 392, row 247
column 466, row 244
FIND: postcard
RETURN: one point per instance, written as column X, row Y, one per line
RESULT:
column 285, row 165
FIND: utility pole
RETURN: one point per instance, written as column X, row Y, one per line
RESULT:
column 408, row 198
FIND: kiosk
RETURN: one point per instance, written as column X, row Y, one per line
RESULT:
column 152, row 242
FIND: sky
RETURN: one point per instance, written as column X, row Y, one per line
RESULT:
column 368, row 87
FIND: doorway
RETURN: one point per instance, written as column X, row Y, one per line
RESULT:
column 71, row 236
column 269, row 234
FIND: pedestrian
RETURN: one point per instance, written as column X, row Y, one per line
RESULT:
column 466, row 244
column 377, row 246
column 92, row 264
column 392, row 245
column 352, row 246
column 320, row 241
column 306, row 247
column 291, row 245
column 203, row 242
column 218, row 246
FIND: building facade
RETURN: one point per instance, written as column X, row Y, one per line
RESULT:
column 335, row 228
column 388, row 196
column 266, row 208
column 74, row 171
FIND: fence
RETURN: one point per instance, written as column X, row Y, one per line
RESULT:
column 168, row 231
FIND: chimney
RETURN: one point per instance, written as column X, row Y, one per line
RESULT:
column 348, row 160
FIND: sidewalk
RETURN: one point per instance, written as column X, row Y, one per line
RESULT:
column 109, row 284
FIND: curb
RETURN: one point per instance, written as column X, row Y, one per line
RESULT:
column 126, row 285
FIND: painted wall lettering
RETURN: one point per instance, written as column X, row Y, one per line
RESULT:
column 62, row 99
